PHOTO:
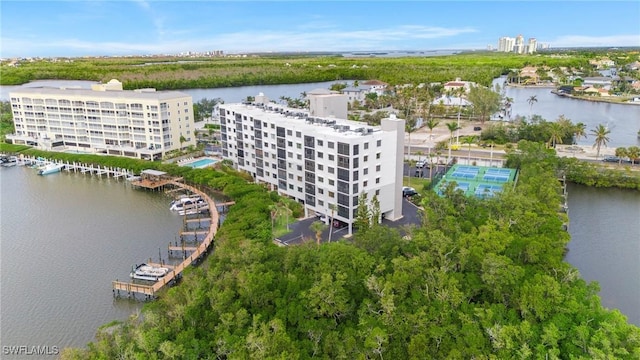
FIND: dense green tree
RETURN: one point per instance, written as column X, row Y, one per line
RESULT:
column 485, row 101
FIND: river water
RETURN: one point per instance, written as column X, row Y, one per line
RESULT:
column 65, row 237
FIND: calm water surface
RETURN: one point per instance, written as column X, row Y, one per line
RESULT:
column 605, row 244
column 63, row 239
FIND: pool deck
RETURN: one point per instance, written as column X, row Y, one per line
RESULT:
column 211, row 161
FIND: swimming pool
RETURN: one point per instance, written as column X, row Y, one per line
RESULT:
column 202, row 163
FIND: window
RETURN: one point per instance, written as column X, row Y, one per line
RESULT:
column 319, row 142
column 331, row 182
column 299, row 167
column 366, row 145
column 290, row 186
column 364, row 183
column 331, row 157
column 331, row 170
column 290, row 154
column 289, row 132
column 298, row 146
column 331, row 194
column 365, row 171
column 377, row 180
column 379, row 143
column 299, row 178
column 298, row 134
column 330, row 144
column 290, row 143
column 299, row 156
column 320, row 167
column 378, row 192
column 378, row 156
column 299, row 189
column 378, row 168
column 320, row 155
column 320, row 179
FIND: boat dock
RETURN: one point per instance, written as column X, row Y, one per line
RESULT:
column 196, row 253
column 82, row 168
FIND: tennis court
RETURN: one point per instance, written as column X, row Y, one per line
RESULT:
column 479, row 181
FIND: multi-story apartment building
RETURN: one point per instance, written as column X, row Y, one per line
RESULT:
column 506, row 44
column 104, row 119
column 517, row 45
column 324, row 163
column 532, row 46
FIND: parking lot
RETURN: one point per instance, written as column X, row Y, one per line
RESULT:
column 302, row 233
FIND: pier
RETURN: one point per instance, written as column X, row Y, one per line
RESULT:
column 196, row 252
column 78, row 167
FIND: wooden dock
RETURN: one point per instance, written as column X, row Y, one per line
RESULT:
column 197, row 252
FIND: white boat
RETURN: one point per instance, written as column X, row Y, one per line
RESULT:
column 50, row 169
column 148, row 272
column 9, row 161
column 188, row 205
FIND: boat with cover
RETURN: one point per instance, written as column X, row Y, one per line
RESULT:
column 189, row 205
column 148, row 272
column 50, row 169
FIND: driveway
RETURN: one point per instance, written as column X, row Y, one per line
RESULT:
column 301, row 232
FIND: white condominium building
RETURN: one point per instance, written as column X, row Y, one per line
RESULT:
column 324, row 163
column 104, row 119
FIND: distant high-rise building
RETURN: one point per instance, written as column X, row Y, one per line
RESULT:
column 505, row 44
column 519, row 47
column 532, row 45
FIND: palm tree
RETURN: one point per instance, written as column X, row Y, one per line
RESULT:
column 579, row 131
column 621, row 152
column 431, row 124
column 452, row 126
column 532, row 100
column 318, row 227
column 555, row 131
column 600, row 132
column 507, row 107
column 633, row 152
column 469, row 140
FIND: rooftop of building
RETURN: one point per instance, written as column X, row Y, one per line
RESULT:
column 108, row 94
column 299, row 118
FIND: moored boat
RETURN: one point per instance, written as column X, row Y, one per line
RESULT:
column 148, row 272
column 188, row 205
column 50, row 169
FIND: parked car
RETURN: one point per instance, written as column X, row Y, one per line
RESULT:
column 477, row 128
column 421, row 164
column 611, row 159
column 408, row 191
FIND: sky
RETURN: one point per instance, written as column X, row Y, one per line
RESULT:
column 147, row 27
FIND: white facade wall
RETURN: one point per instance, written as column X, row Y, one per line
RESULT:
column 321, row 162
column 143, row 124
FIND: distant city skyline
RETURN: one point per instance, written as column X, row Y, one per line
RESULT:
column 146, row 27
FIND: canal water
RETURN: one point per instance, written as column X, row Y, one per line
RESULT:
column 65, row 237
column 605, row 244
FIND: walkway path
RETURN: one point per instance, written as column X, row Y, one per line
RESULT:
column 176, row 271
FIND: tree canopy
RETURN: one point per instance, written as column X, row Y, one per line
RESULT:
column 479, row 278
